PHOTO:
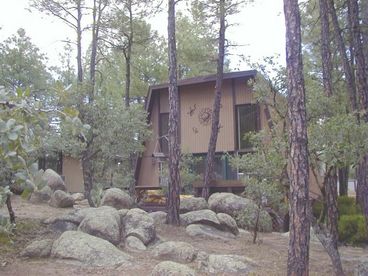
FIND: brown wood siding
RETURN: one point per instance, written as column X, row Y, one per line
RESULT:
column 164, row 101
column 243, row 93
column 149, row 170
column 194, row 134
column 73, row 173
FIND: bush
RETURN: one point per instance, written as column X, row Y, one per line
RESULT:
column 352, row 229
column 246, row 219
column 347, row 206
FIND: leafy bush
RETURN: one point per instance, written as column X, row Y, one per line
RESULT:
column 347, row 206
column 352, row 229
column 247, row 219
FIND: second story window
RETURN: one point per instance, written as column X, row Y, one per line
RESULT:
column 247, row 119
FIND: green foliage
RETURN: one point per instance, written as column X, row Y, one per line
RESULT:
column 22, row 65
column 247, row 219
column 352, row 229
column 347, row 206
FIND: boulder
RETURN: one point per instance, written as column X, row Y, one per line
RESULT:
column 139, row 224
column 228, row 203
column 78, row 196
column 159, row 217
column 116, row 198
column 88, row 250
column 201, row 216
column 61, row 199
column 169, row 268
column 135, row 243
column 38, row 249
column 361, row 269
column 233, row 264
column 104, row 222
column 41, row 196
column 192, row 204
column 54, row 180
column 181, row 252
column 206, row 231
column 228, row 223
column 123, row 212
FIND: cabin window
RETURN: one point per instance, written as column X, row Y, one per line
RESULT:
column 163, row 132
column 247, row 119
column 222, row 167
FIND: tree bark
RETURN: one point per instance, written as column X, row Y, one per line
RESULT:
column 10, row 209
column 298, row 253
column 79, row 42
column 362, row 90
column 343, row 181
column 128, row 55
column 348, row 72
column 174, row 150
column 87, row 175
column 209, row 169
column 330, row 182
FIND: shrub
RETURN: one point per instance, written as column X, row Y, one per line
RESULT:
column 347, row 206
column 352, row 229
column 247, row 219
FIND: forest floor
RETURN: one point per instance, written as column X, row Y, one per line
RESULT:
column 270, row 254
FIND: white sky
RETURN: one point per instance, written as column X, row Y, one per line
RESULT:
column 260, row 29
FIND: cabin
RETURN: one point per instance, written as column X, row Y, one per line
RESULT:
column 240, row 113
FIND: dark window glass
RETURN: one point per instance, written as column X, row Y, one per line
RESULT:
column 164, row 129
column 222, row 168
column 247, row 121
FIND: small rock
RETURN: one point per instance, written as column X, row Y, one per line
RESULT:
column 159, row 217
column 139, row 224
column 78, row 196
column 104, row 222
column 228, row 223
column 38, row 249
column 116, row 198
column 192, row 204
column 88, row 250
column 202, row 216
column 206, row 231
column 229, row 264
column 176, row 251
column 54, row 180
column 169, row 268
column 41, row 196
column 61, row 199
column 135, row 243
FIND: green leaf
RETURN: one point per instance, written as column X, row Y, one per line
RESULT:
column 10, row 123
column 11, row 153
column 13, row 136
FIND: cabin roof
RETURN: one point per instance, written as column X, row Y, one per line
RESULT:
column 197, row 80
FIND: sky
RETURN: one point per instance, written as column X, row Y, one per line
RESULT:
column 259, row 30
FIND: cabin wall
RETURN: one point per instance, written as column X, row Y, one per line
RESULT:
column 73, row 173
column 149, row 168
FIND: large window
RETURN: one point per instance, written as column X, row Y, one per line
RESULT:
column 163, row 131
column 247, row 118
column 222, row 167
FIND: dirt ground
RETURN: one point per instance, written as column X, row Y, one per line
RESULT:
column 270, row 254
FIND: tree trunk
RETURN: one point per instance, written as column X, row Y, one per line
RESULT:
column 128, row 56
column 256, row 225
column 298, row 253
column 343, row 181
column 330, row 182
column 174, row 150
column 362, row 90
column 349, row 76
column 79, row 42
column 328, row 244
column 209, row 170
column 92, row 65
column 331, row 201
column 87, row 175
column 10, row 209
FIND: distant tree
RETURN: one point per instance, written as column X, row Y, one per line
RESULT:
column 22, row 65
column 173, row 138
column 298, row 253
